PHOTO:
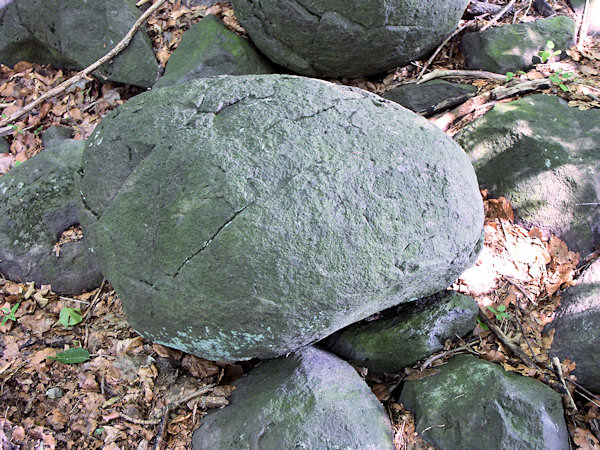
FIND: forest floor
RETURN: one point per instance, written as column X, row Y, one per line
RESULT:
column 133, row 394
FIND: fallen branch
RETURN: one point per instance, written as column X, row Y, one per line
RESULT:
column 498, row 16
column 441, row 46
column 88, row 70
column 559, row 372
column 462, row 73
column 444, row 121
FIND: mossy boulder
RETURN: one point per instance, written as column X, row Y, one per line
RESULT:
column 516, row 47
column 209, row 48
column 405, row 337
column 577, row 328
column 37, row 203
column 333, row 38
column 311, row 399
column 472, row 403
column 74, row 34
column 248, row 216
column 545, row 158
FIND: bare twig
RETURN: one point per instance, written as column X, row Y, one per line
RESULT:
column 463, row 73
column 433, row 358
column 441, row 46
column 88, row 311
column 161, row 428
column 559, row 372
column 498, row 16
column 88, row 70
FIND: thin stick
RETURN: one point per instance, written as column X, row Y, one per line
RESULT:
column 559, row 372
column 463, row 73
column 161, row 428
column 441, row 46
column 443, row 354
column 498, row 16
column 85, row 72
column 584, row 27
column 88, row 311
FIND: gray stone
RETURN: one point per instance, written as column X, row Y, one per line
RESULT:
column 417, row 331
column 248, row 216
column 516, row 47
column 74, row 34
column 429, row 98
column 334, row 38
column 544, row 157
column 38, row 203
column 209, row 48
column 311, row 400
column 54, row 136
column 470, row 403
column 577, row 328
column 4, row 147
column 593, row 14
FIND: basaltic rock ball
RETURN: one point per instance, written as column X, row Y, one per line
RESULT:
column 248, row 216
column 333, row 38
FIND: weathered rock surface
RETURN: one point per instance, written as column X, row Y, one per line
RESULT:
column 38, row 203
column 577, row 328
column 516, row 47
column 311, row 399
column 74, row 34
column 337, row 38
column 248, row 216
column 4, row 147
column 428, row 98
column 544, row 157
column 472, row 403
column 209, row 48
column 417, row 331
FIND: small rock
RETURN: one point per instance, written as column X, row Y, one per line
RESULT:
column 55, row 392
column 419, row 330
column 74, row 34
column 38, row 203
column 54, row 135
column 577, row 328
column 311, row 400
column 4, row 147
column 332, row 38
column 515, row 47
column 209, row 48
column 471, row 403
column 543, row 157
column 429, row 98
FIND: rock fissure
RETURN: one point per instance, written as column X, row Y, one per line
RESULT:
column 207, row 243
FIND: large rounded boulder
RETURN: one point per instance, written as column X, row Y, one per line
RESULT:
column 248, row 216
column 356, row 38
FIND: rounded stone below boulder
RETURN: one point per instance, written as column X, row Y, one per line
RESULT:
column 333, row 38
column 310, row 400
column 37, row 203
column 242, row 217
column 471, row 403
column 417, row 331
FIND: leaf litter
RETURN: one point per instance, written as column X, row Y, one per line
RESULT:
column 135, row 394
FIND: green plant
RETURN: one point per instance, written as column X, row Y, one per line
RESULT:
column 37, row 130
column 69, row 316
column 560, row 77
column 9, row 313
column 482, row 325
column 545, row 55
column 74, row 355
column 500, row 313
column 18, row 163
column 511, row 75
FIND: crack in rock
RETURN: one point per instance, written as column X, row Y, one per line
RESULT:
column 213, row 237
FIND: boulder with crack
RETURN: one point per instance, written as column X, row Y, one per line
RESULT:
column 248, row 216
column 333, row 38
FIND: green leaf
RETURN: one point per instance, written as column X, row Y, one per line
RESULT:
column 563, row 87
column 492, row 310
column 74, row 355
column 550, row 45
column 69, row 316
column 18, row 163
column 501, row 308
column 509, row 76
